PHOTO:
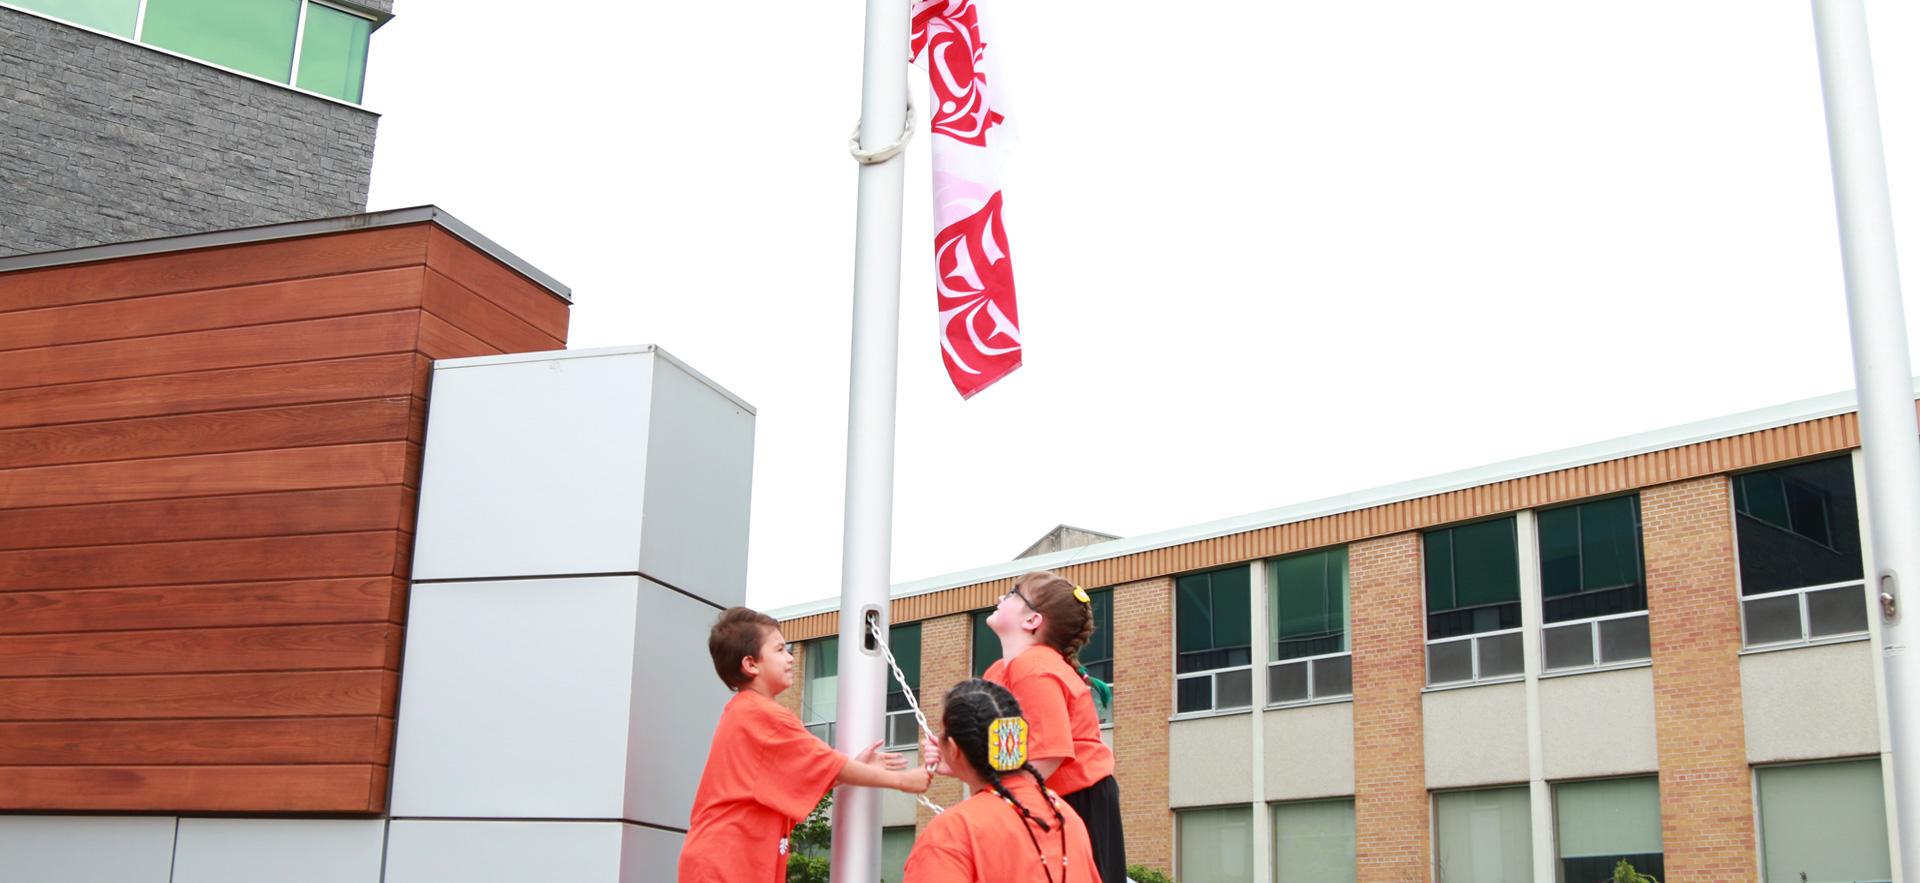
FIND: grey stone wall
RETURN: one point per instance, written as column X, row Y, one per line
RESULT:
column 105, row 141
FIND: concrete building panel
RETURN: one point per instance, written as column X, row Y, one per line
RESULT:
column 1310, row 752
column 1226, row 741
column 1475, row 736
column 1809, row 703
column 1598, row 724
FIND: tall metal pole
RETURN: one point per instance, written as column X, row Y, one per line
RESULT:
column 866, row 546
column 1889, row 442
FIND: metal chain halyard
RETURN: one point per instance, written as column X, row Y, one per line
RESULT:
column 880, row 640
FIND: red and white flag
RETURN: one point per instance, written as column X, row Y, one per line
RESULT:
column 979, row 324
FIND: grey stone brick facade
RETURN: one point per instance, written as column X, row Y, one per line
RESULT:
column 106, row 141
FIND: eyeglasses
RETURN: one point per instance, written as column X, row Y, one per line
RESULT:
column 1015, row 593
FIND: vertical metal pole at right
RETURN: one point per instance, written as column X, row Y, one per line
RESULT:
column 1889, row 440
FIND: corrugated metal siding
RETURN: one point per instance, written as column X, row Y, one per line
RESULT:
column 1746, row 451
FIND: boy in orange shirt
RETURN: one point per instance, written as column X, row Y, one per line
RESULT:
column 1035, row 837
column 765, row 772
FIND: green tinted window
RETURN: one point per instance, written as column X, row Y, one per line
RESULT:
column 904, row 641
column 1232, row 607
column 1560, row 551
column 1195, row 612
column 820, row 696
column 986, row 644
column 255, row 36
column 1099, row 647
column 1439, row 570
column 1308, row 606
column 1609, row 555
column 333, row 52
column 112, row 16
column 1486, row 564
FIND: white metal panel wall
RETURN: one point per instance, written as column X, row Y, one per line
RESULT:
column 86, row 849
column 512, row 852
column 279, row 850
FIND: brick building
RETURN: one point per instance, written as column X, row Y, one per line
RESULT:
column 1658, row 648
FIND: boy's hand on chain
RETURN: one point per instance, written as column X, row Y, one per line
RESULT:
column 883, row 759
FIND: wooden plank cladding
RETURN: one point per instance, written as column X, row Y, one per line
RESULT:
column 1749, row 450
column 209, row 457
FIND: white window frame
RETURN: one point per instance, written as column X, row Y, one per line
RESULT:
column 1313, row 695
column 1213, row 692
column 1593, row 637
column 1806, row 622
column 1477, row 678
column 913, row 726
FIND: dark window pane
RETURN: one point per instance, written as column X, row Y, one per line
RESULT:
column 1814, row 541
column 1624, row 640
column 1450, row 662
column 902, row 729
column 1194, row 694
column 1232, row 607
column 1770, row 620
column 1501, row 655
column 1195, row 612
column 1438, row 566
column 1333, row 676
column 1486, row 565
column 1102, row 670
column 1624, row 599
column 986, row 644
column 1300, row 597
column 1560, row 551
column 1836, row 611
column 1609, row 543
column 1287, row 683
column 1599, row 869
column 904, row 641
column 1207, row 660
column 1491, row 618
column 1233, row 689
column 1568, row 646
column 1100, row 645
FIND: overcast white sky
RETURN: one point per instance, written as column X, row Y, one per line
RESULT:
column 1266, row 252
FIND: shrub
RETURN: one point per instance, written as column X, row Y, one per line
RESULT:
column 1144, row 874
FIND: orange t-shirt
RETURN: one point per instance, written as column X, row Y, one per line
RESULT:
column 983, row 840
column 764, row 774
column 1062, row 721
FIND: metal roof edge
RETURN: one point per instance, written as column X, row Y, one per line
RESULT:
column 598, row 352
column 287, row 230
column 1567, row 458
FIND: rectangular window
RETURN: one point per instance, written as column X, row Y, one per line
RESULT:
column 1603, row 821
column 1824, row 821
column 1214, row 629
column 986, row 644
column 902, row 728
column 1097, row 656
column 255, row 37
column 1216, row 845
column 1798, row 530
column 1472, row 575
column 1483, row 835
column 1592, row 585
column 113, row 16
column 820, row 695
column 333, row 52
column 1307, row 619
column 1313, row 842
column 895, row 843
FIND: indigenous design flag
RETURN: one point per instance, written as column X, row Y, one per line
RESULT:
column 979, row 324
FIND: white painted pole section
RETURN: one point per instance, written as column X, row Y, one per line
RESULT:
column 867, row 543
column 1532, row 617
column 1883, row 374
column 1262, row 642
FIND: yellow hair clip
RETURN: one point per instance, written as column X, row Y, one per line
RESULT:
column 1007, row 743
column 1081, row 594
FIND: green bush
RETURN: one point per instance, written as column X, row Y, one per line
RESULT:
column 810, row 844
column 1144, row 874
column 1624, row 873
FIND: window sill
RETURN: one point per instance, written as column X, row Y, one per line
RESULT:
column 1203, row 715
column 1330, row 700
column 1483, row 682
column 1850, row 638
column 1611, row 666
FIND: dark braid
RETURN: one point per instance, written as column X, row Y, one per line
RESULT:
column 969, row 708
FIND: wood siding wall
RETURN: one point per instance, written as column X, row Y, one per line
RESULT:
column 209, row 463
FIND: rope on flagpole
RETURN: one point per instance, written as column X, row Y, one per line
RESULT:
column 900, row 678
column 872, row 157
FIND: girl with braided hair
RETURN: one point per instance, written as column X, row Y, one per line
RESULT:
column 1042, row 622
column 1013, row 829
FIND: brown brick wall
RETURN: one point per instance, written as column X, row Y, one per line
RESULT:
column 1389, row 670
column 943, row 663
column 1706, row 796
column 1142, row 702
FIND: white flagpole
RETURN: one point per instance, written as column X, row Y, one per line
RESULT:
column 1883, row 375
column 867, row 543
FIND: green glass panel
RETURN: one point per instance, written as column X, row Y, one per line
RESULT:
column 255, row 36
column 820, row 696
column 1337, row 584
column 904, row 641
column 1486, row 565
column 112, row 16
column 895, row 844
column 333, row 52
column 1610, row 543
column 1560, row 551
column 1439, row 570
column 986, row 644
column 1763, row 496
column 1099, row 647
column 1216, row 845
column 1300, row 596
column 1194, row 610
column 1483, row 835
column 1233, row 607
column 1313, row 842
column 1608, row 817
column 1824, row 821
